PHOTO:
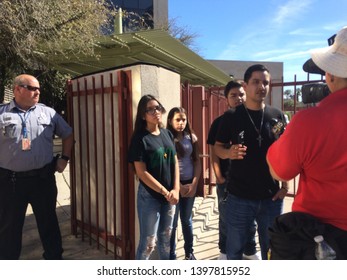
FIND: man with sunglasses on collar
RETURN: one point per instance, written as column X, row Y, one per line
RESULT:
column 27, row 168
column 314, row 146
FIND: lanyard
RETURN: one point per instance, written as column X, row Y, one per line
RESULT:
column 24, row 126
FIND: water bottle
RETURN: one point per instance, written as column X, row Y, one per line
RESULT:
column 323, row 250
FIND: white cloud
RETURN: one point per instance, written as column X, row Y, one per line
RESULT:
column 305, row 32
column 290, row 55
column 291, row 10
column 334, row 26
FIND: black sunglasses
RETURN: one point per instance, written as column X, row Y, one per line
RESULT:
column 30, row 87
column 152, row 110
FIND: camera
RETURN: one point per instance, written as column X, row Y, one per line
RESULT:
column 314, row 93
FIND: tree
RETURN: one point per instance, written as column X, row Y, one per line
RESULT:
column 288, row 104
column 33, row 31
column 298, row 95
column 183, row 34
column 134, row 22
column 288, row 94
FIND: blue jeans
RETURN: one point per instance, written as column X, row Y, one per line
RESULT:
column 155, row 221
column 240, row 220
column 250, row 247
column 184, row 208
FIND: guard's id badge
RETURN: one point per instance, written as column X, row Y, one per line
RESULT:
column 26, row 144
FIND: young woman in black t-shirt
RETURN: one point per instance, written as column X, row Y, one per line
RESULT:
column 153, row 154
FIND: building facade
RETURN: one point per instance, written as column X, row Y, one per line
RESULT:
column 154, row 14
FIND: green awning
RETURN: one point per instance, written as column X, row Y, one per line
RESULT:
column 154, row 47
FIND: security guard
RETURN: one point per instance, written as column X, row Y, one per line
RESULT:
column 27, row 168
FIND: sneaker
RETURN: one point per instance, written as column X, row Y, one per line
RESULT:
column 256, row 256
column 222, row 257
column 191, row 257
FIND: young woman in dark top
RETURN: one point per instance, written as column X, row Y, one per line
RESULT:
column 153, row 154
column 186, row 144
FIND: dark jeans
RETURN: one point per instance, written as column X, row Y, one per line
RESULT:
column 250, row 247
column 15, row 195
column 184, row 209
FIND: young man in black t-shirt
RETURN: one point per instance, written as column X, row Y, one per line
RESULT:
column 234, row 95
column 252, row 193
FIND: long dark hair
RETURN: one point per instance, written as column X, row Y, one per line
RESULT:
column 140, row 121
column 187, row 129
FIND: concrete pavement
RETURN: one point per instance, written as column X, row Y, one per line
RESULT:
column 74, row 247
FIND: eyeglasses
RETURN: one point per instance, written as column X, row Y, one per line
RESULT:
column 30, row 87
column 152, row 110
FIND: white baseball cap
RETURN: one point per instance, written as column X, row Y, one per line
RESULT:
column 333, row 59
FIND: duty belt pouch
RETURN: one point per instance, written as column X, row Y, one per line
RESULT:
column 49, row 169
column 3, row 174
column 54, row 163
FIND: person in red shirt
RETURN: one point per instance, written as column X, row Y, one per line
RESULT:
column 314, row 146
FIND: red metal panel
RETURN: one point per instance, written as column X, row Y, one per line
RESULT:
column 97, row 222
column 203, row 106
column 128, row 191
column 217, row 106
column 195, row 112
column 113, row 159
column 95, row 209
column 88, row 165
column 80, row 156
column 104, row 163
column 70, row 119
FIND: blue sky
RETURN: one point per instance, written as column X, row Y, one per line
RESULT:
column 254, row 30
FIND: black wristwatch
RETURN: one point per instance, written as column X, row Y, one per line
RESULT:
column 66, row 158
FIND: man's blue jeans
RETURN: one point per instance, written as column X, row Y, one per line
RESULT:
column 155, row 220
column 250, row 247
column 240, row 219
column 184, row 210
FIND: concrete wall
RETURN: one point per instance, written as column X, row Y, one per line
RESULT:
column 163, row 84
column 160, row 13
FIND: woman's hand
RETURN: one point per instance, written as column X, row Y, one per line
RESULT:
column 188, row 190
column 172, row 197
